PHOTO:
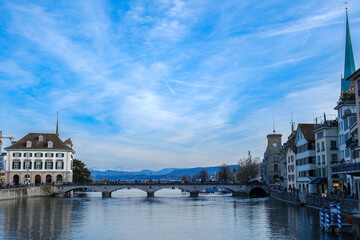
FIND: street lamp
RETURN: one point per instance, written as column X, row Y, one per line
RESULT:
column 27, row 172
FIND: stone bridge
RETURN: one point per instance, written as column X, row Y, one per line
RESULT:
column 245, row 189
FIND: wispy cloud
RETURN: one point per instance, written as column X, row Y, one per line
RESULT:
column 168, row 83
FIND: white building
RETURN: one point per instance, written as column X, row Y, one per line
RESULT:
column 291, row 162
column 326, row 142
column 305, row 156
column 39, row 158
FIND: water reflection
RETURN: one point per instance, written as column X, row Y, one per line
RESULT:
column 36, row 218
column 166, row 216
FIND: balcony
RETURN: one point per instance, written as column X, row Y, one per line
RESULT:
column 351, row 143
column 350, row 168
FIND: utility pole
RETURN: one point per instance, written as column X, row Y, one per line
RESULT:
column 250, row 165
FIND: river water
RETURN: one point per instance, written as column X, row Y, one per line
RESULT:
column 129, row 214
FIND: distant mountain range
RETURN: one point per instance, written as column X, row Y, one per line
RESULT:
column 163, row 174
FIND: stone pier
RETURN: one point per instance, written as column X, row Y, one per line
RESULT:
column 194, row 194
column 106, row 194
column 150, row 194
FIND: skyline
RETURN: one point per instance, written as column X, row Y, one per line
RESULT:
column 170, row 83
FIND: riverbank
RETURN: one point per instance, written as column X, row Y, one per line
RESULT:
column 348, row 206
column 26, row 192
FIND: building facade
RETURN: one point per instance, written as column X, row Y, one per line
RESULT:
column 39, row 158
column 305, row 156
column 326, row 144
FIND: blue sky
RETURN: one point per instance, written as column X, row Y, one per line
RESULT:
column 169, row 83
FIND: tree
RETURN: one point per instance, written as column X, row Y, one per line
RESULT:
column 225, row 173
column 203, row 175
column 184, row 178
column 248, row 169
column 80, row 172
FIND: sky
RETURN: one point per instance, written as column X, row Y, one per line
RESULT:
column 170, row 83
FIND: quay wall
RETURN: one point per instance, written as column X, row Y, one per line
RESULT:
column 38, row 191
column 348, row 206
column 285, row 196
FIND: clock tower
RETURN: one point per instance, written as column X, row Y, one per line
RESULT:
column 271, row 162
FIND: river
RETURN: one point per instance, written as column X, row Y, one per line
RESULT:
column 129, row 214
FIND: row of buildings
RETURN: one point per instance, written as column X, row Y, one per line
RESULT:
column 320, row 156
column 37, row 158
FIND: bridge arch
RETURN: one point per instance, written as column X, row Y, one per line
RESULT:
column 258, row 192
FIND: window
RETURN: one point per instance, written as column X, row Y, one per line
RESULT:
column 41, row 138
column 27, row 165
column 16, row 154
column 48, row 165
column 322, row 146
column 49, row 155
column 38, row 165
column 38, row 155
column 28, row 144
column 59, row 165
column 292, row 158
column 346, row 124
column 318, row 147
column 347, row 152
column 16, row 165
column 61, row 155
column 275, row 167
column 318, row 160
column 333, row 158
column 323, row 159
column 28, row 155
column 333, row 145
column 50, row 144
column 319, row 135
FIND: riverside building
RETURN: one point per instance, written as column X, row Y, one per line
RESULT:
column 39, row 158
column 348, row 167
column 305, row 156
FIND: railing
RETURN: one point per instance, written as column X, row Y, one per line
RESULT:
column 351, row 143
column 346, row 168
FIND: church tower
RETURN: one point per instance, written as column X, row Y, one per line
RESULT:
column 349, row 67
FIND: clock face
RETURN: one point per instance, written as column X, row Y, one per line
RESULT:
column 274, row 145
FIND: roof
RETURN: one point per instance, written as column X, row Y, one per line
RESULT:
column 307, row 130
column 349, row 67
column 36, row 144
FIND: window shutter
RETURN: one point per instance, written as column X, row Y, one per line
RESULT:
column 23, row 165
column 41, row 154
column 13, row 154
column 13, row 165
column 41, row 165
column 30, row 165
column 62, row 165
column 56, row 165
column 30, row 154
column 52, row 165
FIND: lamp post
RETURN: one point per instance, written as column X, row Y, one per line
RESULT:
column 27, row 173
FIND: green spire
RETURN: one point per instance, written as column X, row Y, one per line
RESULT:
column 349, row 68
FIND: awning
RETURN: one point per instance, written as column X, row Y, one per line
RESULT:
column 318, row 180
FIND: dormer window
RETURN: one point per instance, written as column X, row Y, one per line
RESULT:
column 50, row 144
column 28, row 144
column 41, row 138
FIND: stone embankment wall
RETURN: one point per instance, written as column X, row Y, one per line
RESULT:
column 13, row 193
column 285, row 196
column 348, row 206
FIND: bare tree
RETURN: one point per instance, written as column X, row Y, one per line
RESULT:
column 203, row 175
column 225, row 173
column 184, row 178
column 248, row 168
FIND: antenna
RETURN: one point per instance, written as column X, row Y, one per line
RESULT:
column 273, row 125
column 57, row 123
